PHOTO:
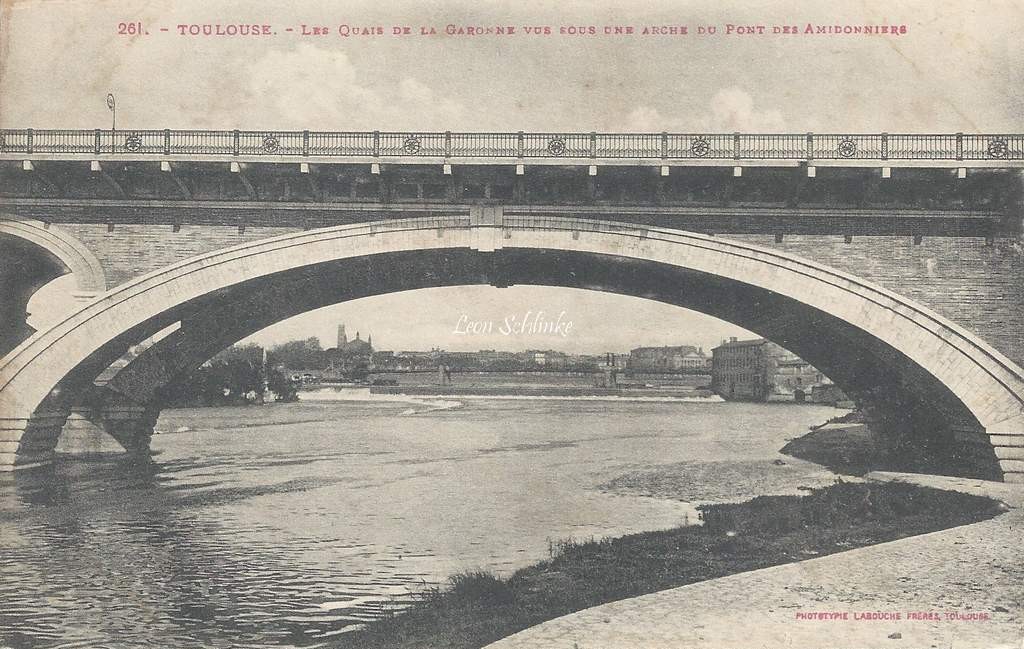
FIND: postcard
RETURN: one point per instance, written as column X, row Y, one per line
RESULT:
column 451, row 324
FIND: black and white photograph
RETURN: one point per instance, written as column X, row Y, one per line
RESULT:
column 461, row 324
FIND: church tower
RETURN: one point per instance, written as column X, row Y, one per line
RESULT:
column 342, row 338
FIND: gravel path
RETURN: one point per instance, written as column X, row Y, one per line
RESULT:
column 973, row 569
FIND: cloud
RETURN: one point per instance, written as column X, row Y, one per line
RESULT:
column 650, row 120
column 309, row 85
column 730, row 109
column 432, row 112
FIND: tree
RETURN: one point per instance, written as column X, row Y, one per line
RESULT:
column 282, row 386
column 298, row 355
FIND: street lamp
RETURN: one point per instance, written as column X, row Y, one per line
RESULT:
column 112, row 105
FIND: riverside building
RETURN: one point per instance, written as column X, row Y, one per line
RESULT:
column 667, row 359
column 760, row 370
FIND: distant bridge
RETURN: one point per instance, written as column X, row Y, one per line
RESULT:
column 892, row 262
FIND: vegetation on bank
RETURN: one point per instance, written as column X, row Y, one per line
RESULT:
column 477, row 608
column 236, row 376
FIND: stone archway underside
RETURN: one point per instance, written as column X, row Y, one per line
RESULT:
column 33, row 254
column 923, row 371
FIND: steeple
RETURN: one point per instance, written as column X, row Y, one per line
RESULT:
column 369, row 339
column 342, row 338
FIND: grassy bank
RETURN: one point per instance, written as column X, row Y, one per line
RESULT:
column 478, row 608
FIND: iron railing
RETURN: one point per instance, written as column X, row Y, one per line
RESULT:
column 514, row 146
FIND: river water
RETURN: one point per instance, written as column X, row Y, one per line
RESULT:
column 285, row 525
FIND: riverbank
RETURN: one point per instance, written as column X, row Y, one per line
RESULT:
column 849, row 447
column 959, row 587
column 449, row 394
column 853, row 445
column 541, row 391
column 479, row 608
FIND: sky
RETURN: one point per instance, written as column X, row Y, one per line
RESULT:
column 958, row 67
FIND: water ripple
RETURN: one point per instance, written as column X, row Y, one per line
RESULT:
column 289, row 525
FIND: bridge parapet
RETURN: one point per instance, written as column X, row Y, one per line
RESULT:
column 895, row 149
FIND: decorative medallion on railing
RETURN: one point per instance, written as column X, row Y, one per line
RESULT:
column 133, row 143
column 271, row 143
column 412, row 145
column 847, row 148
column 998, row 148
column 700, row 147
column 556, row 146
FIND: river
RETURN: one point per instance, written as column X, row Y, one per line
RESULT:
column 284, row 525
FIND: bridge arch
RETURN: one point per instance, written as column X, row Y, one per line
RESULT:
column 63, row 248
column 921, row 370
column 35, row 254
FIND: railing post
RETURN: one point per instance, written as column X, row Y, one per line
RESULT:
column 885, row 146
column 810, row 146
column 447, row 144
column 167, row 141
column 519, row 145
column 305, row 143
column 664, row 145
column 376, row 144
column 237, row 138
column 28, row 141
column 593, row 144
column 959, row 146
column 98, row 144
column 736, row 146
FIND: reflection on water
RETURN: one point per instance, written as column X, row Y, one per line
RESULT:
column 283, row 525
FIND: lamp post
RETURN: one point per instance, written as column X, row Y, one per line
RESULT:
column 112, row 105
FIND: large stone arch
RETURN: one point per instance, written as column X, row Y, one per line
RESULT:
column 33, row 254
column 927, row 372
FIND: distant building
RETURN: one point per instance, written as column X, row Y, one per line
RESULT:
column 354, row 346
column 583, row 362
column 618, row 361
column 667, row 359
column 417, row 360
column 489, row 358
column 760, row 370
column 302, row 376
column 382, row 360
column 548, row 359
column 831, row 395
column 350, row 357
column 460, row 360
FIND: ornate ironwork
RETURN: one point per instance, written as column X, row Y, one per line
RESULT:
column 557, row 146
column 412, row 145
column 133, row 143
column 998, row 147
column 700, row 147
column 365, row 144
column 271, row 143
column 847, row 148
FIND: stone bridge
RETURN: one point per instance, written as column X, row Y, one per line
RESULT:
column 891, row 262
